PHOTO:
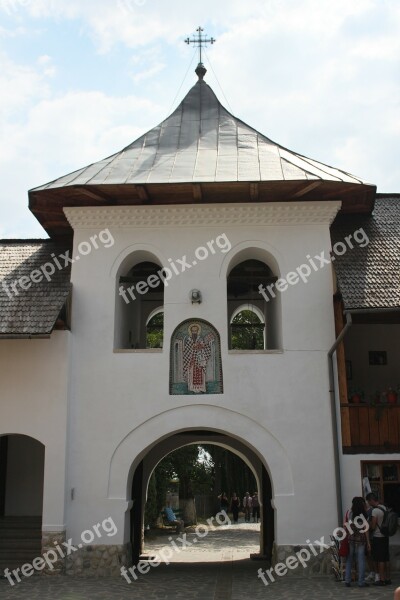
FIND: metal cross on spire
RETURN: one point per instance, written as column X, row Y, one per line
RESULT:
column 200, row 42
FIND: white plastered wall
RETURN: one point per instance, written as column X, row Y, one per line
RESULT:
column 277, row 402
column 33, row 389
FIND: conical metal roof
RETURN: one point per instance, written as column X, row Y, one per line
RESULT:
column 201, row 142
column 200, row 153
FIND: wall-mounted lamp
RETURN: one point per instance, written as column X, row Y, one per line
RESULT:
column 195, row 296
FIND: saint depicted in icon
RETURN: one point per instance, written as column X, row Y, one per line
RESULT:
column 196, row 354
column 195, row 359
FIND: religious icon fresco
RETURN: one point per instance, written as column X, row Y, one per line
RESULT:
column 195, row 360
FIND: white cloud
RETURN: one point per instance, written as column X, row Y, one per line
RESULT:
column 319, row 77
column 60, row 135
column 146, row 64
column 20, row 85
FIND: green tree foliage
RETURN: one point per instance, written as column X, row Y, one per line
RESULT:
column 207, row 469
column 194, row 475
column 155, row 331
column 230, row 474
column 247, row 331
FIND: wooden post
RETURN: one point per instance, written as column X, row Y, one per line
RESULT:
column 3, row 472
column 342, row 376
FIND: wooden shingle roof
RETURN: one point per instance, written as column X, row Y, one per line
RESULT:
column 369, row 277
column 33, row 311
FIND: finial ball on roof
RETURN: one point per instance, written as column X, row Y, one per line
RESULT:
column 200, row 71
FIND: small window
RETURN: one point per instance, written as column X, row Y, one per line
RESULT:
column 253, row 320
column 139, row 307
column 382, row 478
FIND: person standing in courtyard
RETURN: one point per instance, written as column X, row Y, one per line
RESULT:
column 223, row 502
column 358, row 543
column 235, row 505
column 256, row 507
column 247, row 507
column 380, row 542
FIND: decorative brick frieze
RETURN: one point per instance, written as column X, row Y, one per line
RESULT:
column 206, row 215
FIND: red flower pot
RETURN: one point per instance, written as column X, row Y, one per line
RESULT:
column 356, row 399
column 391, row 397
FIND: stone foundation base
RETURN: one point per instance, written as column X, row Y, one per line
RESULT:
column 394, row 552
column 317, row 566
column 286, row 560
column 99, row 561
column 51, row 541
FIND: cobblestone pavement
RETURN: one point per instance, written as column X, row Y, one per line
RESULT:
column 216, row 567
column 210, row 544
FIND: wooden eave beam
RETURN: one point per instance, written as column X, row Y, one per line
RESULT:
column 305, row 190
column 142, row 193
column 339, row 191
column 99, row 197
column 47, row 210
column 197, row 192
column 254, row 192
column 55, row 224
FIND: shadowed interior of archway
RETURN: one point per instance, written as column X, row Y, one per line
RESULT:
column 205, row 539
column 21, row 499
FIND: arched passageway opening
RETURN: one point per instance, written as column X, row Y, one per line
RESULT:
column 255, row 476
column 21, row 499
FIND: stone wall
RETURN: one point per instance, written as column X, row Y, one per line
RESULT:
column 52, row 545
column 394, row 550
column 311, row 566
column 316, row 566
column 88, row 560
column 99, row 560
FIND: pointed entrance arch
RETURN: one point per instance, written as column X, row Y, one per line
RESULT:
column 21, row 476
column 21, row 499
column 256, row 444
column 192, row 437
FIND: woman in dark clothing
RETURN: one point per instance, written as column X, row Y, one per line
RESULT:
column 223, row 502
column 358, row 542
column 235, row 505
column 256, row 507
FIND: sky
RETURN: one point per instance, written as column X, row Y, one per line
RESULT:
column 81, row 79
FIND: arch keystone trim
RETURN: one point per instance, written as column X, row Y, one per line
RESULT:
column 138, row 442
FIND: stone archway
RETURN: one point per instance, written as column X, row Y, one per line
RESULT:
column 145, row 468
column 274, row 464
column 21, row 498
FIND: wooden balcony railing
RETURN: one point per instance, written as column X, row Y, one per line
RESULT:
column 372, row 428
